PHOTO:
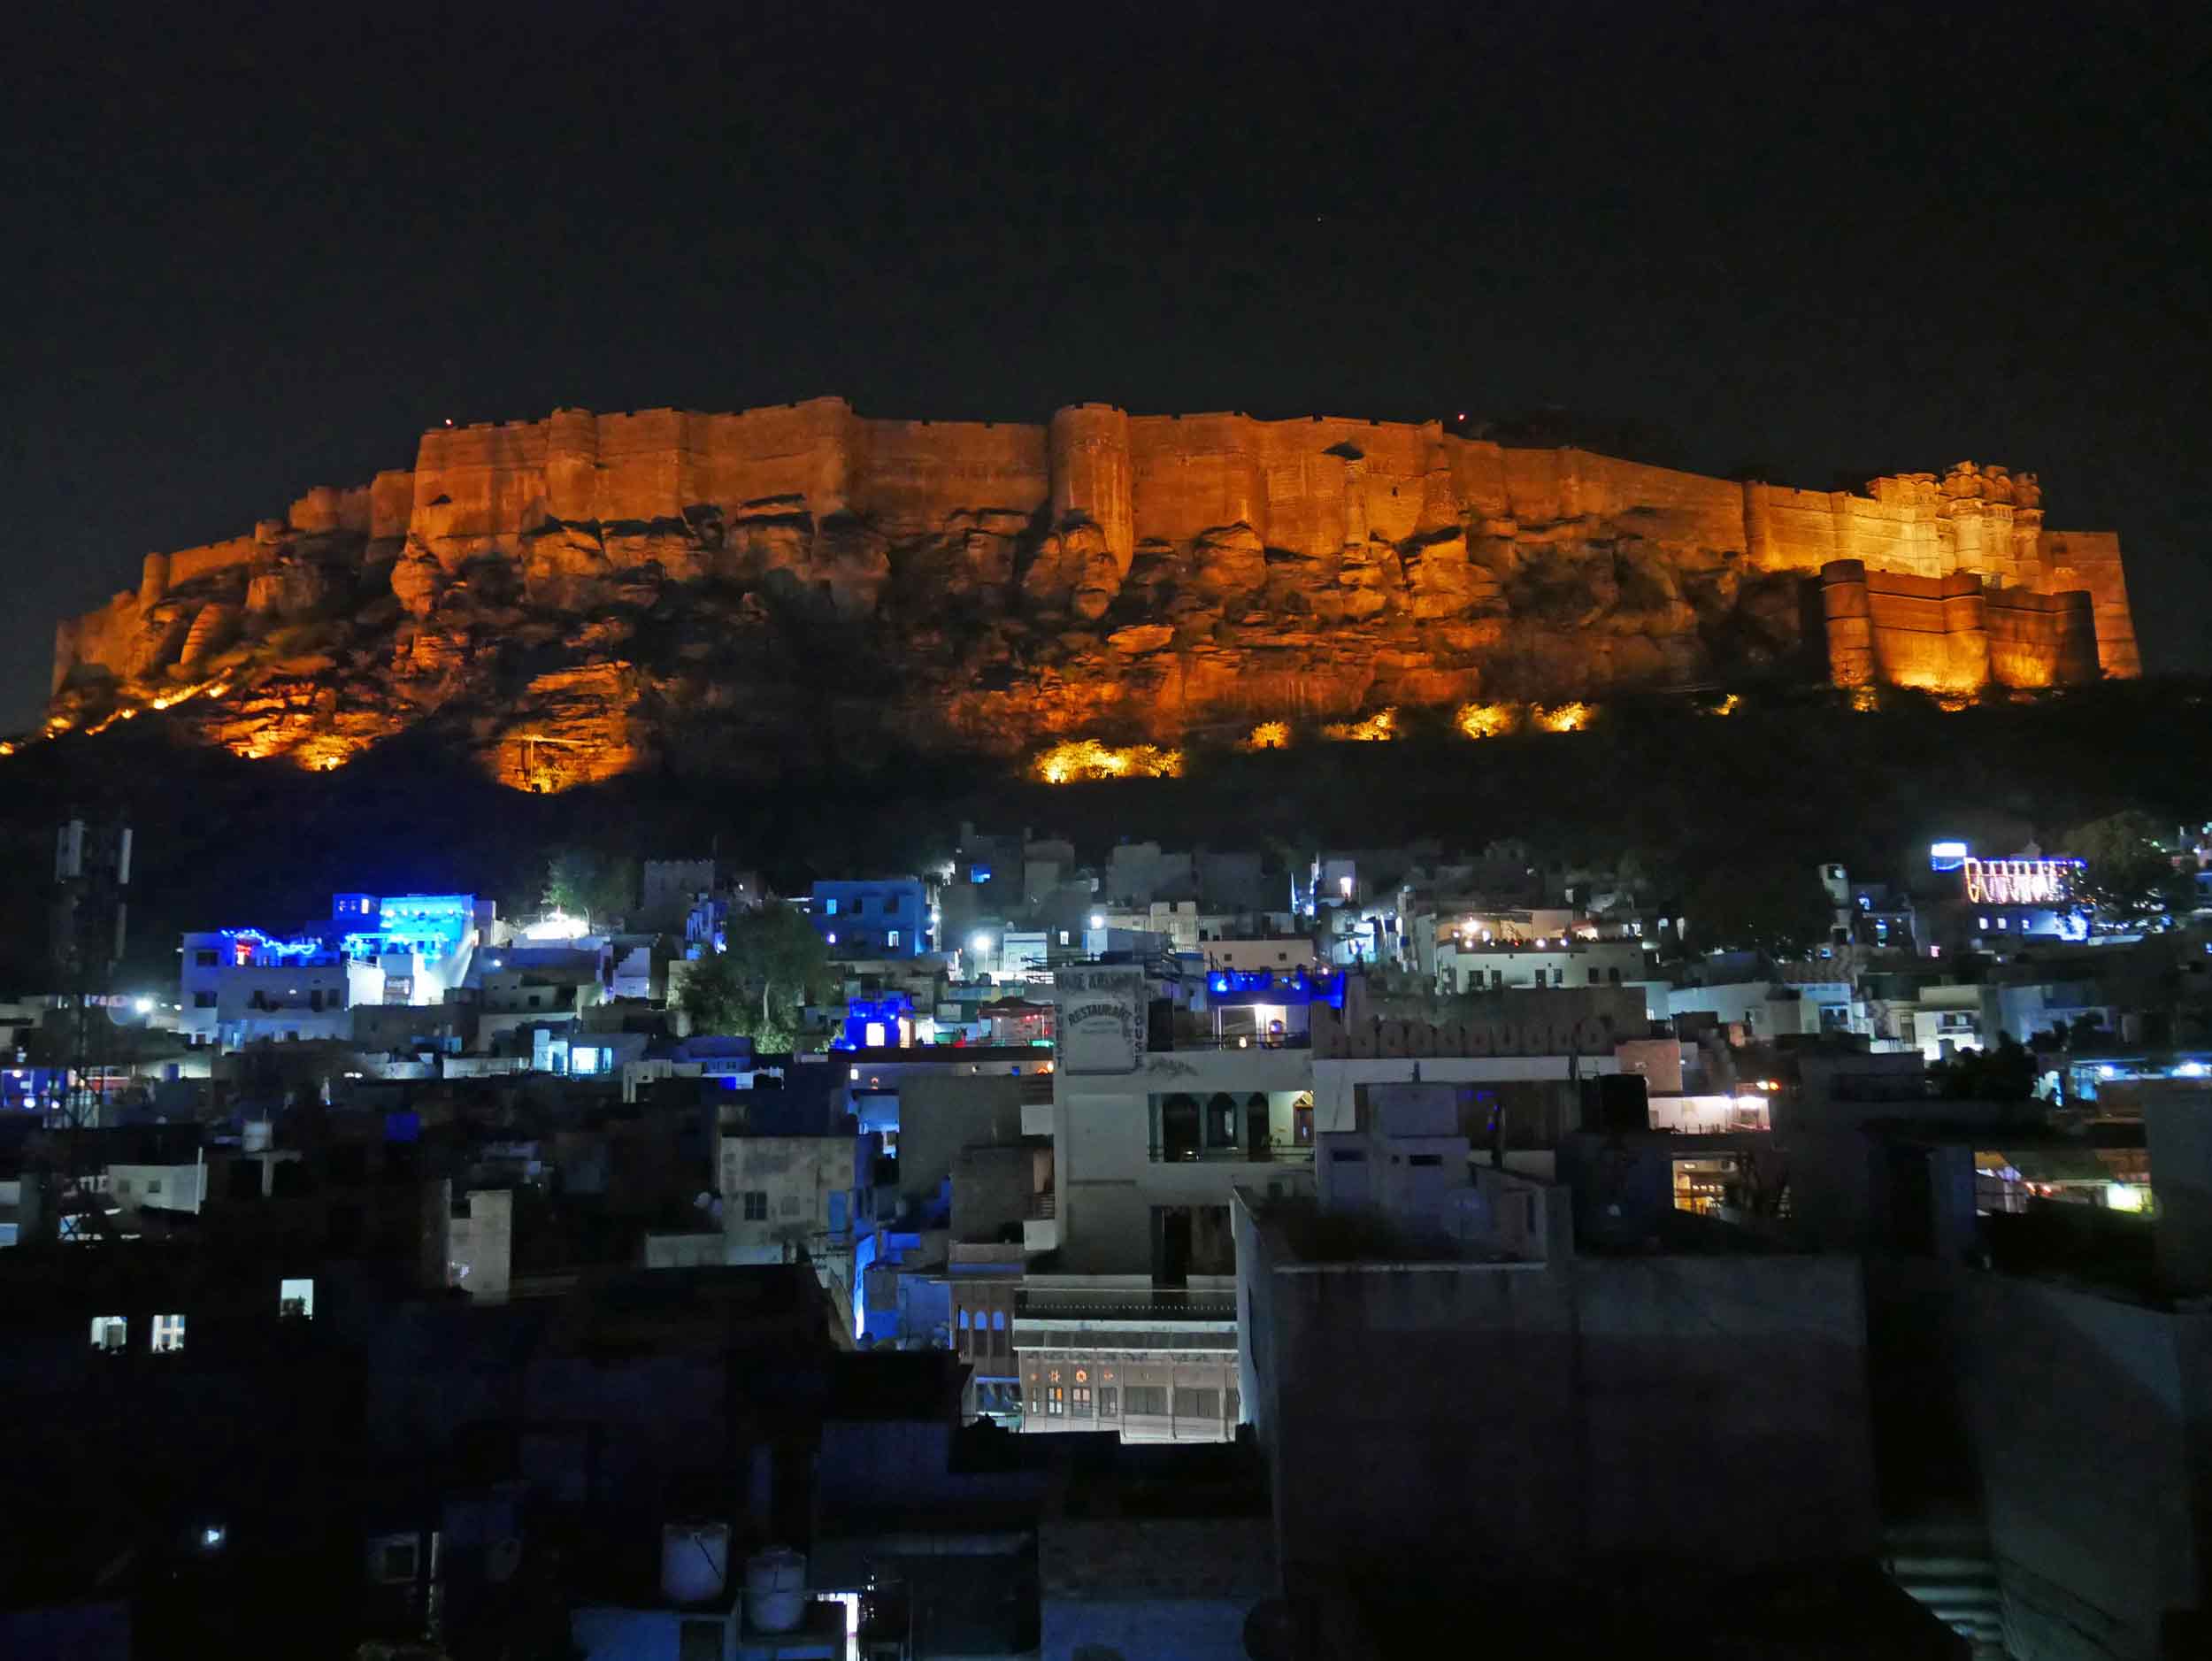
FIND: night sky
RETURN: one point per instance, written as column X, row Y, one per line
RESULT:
column 249, row 258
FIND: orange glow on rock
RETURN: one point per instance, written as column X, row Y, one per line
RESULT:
column 1270, row 735
column 1378, row 728
column 1486, row 720
column 1085, row 758
column 1563, row 718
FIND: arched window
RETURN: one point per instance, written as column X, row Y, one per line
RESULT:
column 1179, row 1127
column 1256, row 1132
column 1221, row 1121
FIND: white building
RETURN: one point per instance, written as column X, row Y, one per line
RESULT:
column 236, row 986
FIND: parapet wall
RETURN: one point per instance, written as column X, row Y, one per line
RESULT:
column 1951, row 634
column 1951, row 573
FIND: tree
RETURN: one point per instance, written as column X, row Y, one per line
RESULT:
column 589, row 885
column 1777, row 908
column 757, row 988
column 2127, row 876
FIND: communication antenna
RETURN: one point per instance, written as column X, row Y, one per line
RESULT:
column 92, row 873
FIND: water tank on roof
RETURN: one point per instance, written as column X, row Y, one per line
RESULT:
column 694, row 1561
column 775, row 1590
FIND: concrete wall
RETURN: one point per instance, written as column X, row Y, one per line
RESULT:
column 1224, row 483
column 798, row 1174
column 2086, row 1416
column 1528, row 1422
column 941, row 1112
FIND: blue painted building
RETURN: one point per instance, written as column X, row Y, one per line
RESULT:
column 886, row 917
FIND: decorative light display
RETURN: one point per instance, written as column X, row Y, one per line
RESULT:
column 1562, row 717
column 1270, row 735
column 2019, row 881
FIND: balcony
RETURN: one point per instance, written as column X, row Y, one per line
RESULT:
column 1040, row 1229
column 1274, row 1153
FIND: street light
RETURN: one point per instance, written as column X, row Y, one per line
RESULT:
column 979, row 943
column 1098, row 919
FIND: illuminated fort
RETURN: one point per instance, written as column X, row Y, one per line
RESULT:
column 572, row 598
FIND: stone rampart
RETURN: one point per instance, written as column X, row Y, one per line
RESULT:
column 1187, row 567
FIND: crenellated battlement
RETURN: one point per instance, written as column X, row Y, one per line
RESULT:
column 1455, row 555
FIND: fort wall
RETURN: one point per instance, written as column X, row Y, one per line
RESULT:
column 1956, row 583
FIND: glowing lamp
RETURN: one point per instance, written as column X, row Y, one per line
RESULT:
column 979, row 943
column 1098, row 919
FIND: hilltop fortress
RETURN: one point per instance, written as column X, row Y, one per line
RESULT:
column 580, row 596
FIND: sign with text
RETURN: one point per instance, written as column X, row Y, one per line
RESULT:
column 1101, row 1024
column 2020, row 881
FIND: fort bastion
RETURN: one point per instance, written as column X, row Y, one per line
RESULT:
column 572, row 597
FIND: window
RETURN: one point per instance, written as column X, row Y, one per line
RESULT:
column 394, row 1560
column 1080, row 1404
column 1221, row 1121
column 1063, row 937
column 1055, row 1401
column 891, row 939
column 1197, row 1403
column 1109, row 1402
column 168, row 1334
column 296, row 1299
column 829, row 906
column 1148, row 1399
column 110, row 1332
column 202, row 1000
column 757, row 1205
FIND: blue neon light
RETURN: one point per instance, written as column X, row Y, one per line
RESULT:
column 1295, row 988
column 885, row 1011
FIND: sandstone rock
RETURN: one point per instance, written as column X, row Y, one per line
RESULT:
column 1141, row 638
column 575, row 593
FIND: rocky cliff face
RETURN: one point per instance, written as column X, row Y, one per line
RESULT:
column 588, row 596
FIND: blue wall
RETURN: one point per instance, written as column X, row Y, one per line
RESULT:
column 858, row 918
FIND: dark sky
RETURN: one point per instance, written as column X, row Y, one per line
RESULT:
column 254, row 254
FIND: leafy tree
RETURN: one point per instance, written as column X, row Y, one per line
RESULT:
column 757, row 988
column 2128, row 877
column 589, row 885
column 2007, row 1073
column 1775, row 907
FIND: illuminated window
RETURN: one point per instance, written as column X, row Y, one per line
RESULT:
column 296, row 1299
column 1056, row 1401
column 168, row 1334
column 110, row 1332
column 829, row 909
column 1080, row 1401
column 891, row 938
